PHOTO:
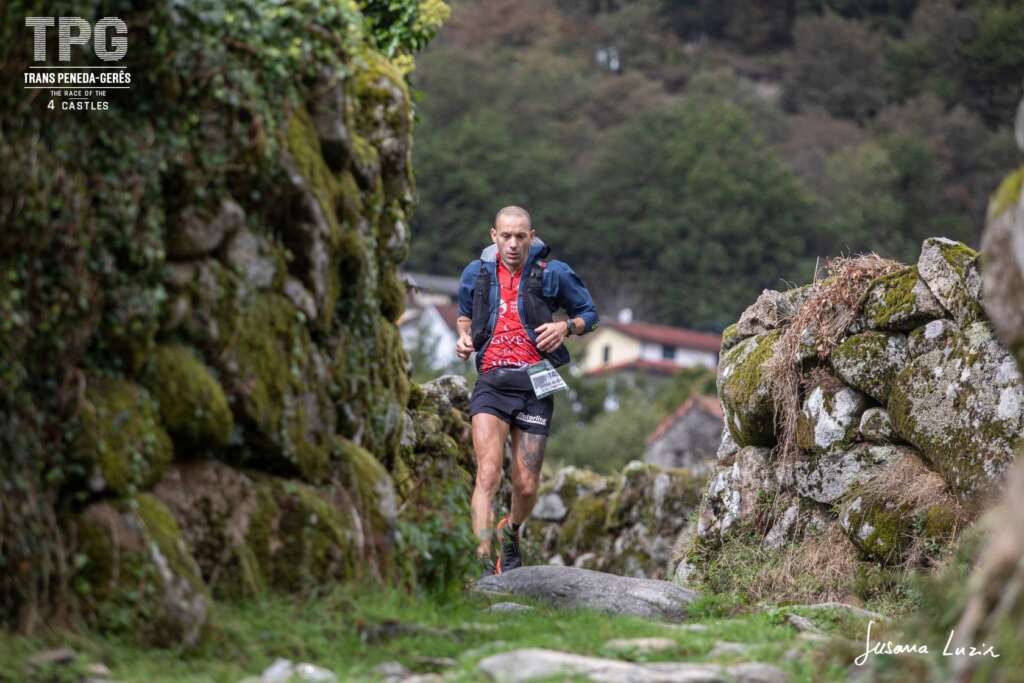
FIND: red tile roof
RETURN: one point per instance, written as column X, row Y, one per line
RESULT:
column 673, row 336
column 709, row 404
column 665, row 366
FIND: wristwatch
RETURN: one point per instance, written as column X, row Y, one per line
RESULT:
column 568, row 327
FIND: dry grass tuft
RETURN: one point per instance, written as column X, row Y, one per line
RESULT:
column 830, row 559
column 833, row 303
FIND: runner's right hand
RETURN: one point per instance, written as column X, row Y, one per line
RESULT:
column 464, row 347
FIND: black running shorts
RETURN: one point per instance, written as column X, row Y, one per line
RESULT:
column 508, row 393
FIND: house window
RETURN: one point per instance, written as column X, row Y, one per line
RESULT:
column 668, row 352
column 606, row 353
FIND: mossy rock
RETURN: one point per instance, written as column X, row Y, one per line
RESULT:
column 659, row 499
column 301, row 537
column 869, row 361
column 951, row 272
column 963, row 407
column 829, row 417
column 876, row 427
column 1003, row 284
column 880, row 530
column 828, row 477
column 193, row 406
column 583, row 528
column 900, row 301
column 122, row 442
column 748, row 406
column 137, row 576
column 280, row 381
column 372, row 491
column 938, row 334
column 731, row 337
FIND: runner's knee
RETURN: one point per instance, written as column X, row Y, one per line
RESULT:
column 488, row 477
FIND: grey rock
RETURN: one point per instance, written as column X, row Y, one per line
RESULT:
column 727, row 448
column 1003, row 284
column 178, row 274
column 252, row 257
column 58, row 655
column 951, row 272
column 963, row 407
column 448, row 391
column 300, row 297
column 770, row 311
column 870, row 361
column 876, row 426
column 782, row 529
column 730, row 497
column 746, row 402
column 535, row 663
column 196, row 232
column 570, row 587
column 328, row 111
column 391, row 672
column 507, row 608
column 802, row 624
column 829, row 417
column 935, row 335
column 639, row 646
column 285, row 671
column 550, row 508
column 588, row 560
column 900, row 301
column 828, row 476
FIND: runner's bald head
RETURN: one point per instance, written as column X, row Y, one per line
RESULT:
column 513, row 212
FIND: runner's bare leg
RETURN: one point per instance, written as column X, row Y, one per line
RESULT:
column 528, row 456
column 489, row 435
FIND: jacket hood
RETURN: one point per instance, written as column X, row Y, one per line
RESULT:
column 537, row 250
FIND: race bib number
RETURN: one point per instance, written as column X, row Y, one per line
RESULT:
column 545, row 379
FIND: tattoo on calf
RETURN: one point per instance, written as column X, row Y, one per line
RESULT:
column 531, row 451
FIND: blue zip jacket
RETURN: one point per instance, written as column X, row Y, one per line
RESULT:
column 562, row 288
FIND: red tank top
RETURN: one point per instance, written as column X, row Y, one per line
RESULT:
column 510, row 346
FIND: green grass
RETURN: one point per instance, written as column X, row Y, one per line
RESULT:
column 352, row 630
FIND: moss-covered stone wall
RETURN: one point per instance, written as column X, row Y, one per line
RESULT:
column 204, row 275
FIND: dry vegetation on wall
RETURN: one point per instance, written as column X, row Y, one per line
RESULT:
column 826, row 313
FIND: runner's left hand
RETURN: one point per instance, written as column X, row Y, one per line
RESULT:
column 550, row 336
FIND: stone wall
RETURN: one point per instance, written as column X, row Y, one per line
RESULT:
column 903, row 425
column 628, row 523
column 203, row 392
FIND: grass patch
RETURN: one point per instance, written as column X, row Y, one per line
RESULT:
column 353, row 629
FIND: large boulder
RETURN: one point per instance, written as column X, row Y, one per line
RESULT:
column 963, row 407
column 951, row 272
column 572, row 588
column 869, row 361
column 745, row 397
column 1003, row 248
column 136, row 574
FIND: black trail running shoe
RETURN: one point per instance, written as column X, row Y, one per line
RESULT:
column 509, row 556
column 486, row 566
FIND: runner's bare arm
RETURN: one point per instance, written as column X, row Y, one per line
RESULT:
column 464, row 345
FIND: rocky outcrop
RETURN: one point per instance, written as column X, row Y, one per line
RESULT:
column 903, row 418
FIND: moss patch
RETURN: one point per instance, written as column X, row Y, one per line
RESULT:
column 1007, row 195
column 193, row 406
column 121, row 437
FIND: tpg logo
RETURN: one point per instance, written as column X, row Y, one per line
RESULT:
column 82, row 32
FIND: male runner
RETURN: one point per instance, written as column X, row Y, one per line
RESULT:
column 506, row 301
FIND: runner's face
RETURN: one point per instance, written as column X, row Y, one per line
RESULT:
column 512, row 235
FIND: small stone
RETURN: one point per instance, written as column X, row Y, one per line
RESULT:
column 935, row 335
column 300, row 297
column 391, row 672
column 434, row 664
column 876, row 426
column 756, row 672
column 550, row 508
column 60, row 655
column 802, row 623
column 196, row 232
column 640, row 645
column 507, row 608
